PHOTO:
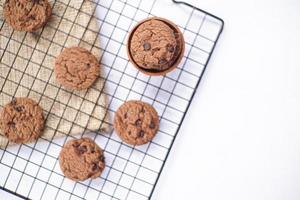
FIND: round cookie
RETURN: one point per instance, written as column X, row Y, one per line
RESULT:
column 81, row 159
column 22, row 120
column 76, row 68
column 152, row 45
column 27, row 15
column 136, row 122
column 155, row 45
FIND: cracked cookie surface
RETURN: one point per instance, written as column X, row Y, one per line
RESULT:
column 27, row 15
column 76, row 68
column 155, row 45
column 136, row 122
column 81, row 159
column 22, row 120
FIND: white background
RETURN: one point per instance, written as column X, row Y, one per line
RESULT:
column 241, row 137
column 8, row 196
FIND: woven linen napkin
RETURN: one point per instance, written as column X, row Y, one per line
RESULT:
column 26, row 69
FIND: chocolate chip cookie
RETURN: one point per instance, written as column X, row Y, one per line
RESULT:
column 27, row 15
column 155, row 46
column 22, row 120
column 81, row 159
column 76, row 68
column 136, row 122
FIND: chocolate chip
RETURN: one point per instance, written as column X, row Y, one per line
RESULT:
column 95, row 167
column 82, row 149
column 170, row 48
column 138, row 122
column 32, row 17
column 162, row 61
column 88, row 65
column 75, row 145
column 147, row 46
column 129, row 132
column 152, row 125
column 11, row 124
column 102, row 158
column 141, row 133
column 19, row 108
column 143, row 110
column 125, row 116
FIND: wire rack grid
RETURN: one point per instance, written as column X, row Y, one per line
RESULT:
column 32, row 170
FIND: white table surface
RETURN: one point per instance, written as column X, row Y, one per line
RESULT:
column 241, row 137
column 7, row 196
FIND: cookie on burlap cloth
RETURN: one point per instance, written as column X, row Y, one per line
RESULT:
column 22, row 120
column 76, row 68
column 27, row 15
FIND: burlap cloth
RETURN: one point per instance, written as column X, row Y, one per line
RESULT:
column 26, row 69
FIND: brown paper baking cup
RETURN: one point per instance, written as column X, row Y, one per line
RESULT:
column 174, row 65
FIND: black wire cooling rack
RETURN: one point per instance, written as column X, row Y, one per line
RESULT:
column 32, row 170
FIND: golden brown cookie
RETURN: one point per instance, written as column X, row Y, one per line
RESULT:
column 155, row 45
column 27, row 15
column 76, row 68
column 81, row 159
column 136, row 122
column 22, row 120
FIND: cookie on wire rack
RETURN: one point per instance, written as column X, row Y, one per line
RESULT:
column 136, row 122
column 22, row 120
column 76, row 68
column 81, row 159
column 27, row 15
